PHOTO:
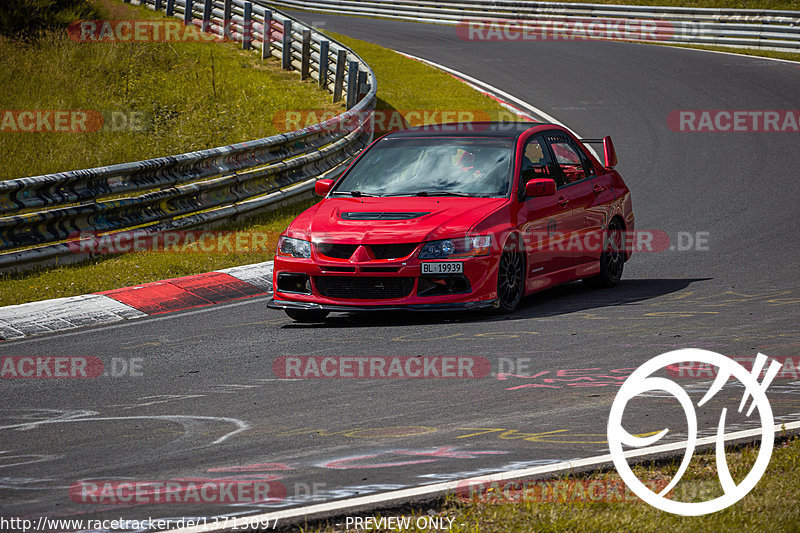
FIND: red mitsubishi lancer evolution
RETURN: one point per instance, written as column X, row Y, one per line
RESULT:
column 459, row 216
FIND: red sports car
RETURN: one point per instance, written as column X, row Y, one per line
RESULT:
column 458, row 216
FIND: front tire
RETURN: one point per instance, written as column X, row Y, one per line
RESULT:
column 612, row 259
column 510, row 279
column 306, row 315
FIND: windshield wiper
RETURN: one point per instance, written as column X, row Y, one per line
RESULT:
column 356, row 194
column 441, row 193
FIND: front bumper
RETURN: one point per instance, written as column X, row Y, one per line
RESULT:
column 305, row 291
column 311, row 306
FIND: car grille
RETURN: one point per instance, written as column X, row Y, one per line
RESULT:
column 379, row 251
column 392, row 251
column 337, row 251
column 364, row 288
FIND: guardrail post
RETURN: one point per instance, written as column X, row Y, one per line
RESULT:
column 363, row 88
column 247, row 28
column 207, row 7
column 170, row 7
column 352, row 83
column 227, row 20
column 157, row 5
column 286, row 63
column 266, row 34
column 187, row 12
column 323, row 63
column 305, row 57
column 338, row 81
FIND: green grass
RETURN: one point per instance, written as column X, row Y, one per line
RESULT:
column 190, row 96
column 773, row 505
column 399, row 80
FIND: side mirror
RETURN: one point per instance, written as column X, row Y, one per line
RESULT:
column 609, row 153
column 540, row 187
column 322, row 187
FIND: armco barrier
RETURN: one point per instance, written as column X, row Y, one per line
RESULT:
column 746, row 28
column 40, row 214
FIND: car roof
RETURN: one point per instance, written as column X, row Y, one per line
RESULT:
column 468, row 129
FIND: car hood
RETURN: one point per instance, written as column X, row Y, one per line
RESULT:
column 391, row 220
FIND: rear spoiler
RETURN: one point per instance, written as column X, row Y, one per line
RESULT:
column 609, row 153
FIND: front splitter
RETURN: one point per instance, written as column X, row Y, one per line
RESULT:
column 310, row 306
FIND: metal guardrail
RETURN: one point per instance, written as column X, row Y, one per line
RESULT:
column 207, row 186
column 746, row 28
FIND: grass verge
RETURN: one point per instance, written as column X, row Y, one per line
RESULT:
column 155, row 98
column 773, row 505
column 399, row 79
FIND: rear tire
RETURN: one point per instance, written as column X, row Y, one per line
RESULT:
column 510, row 279
column 306, row 315
column 612, row 259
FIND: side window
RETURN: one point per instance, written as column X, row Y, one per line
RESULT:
column 574, row 165
column 536, row 162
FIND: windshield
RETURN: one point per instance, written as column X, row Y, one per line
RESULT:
column 426, row 166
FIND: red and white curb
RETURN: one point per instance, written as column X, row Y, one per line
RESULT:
column 147, row 299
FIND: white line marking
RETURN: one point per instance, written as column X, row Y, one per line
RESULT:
column 240, row 424
column 399, row 496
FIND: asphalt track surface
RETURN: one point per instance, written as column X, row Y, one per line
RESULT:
column 209, row 405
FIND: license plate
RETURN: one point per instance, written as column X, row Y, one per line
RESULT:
column 449, row 267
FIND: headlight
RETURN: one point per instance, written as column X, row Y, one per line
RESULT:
column 453, row 248
column 289, row 247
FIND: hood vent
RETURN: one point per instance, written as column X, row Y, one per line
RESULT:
column 378, row 215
